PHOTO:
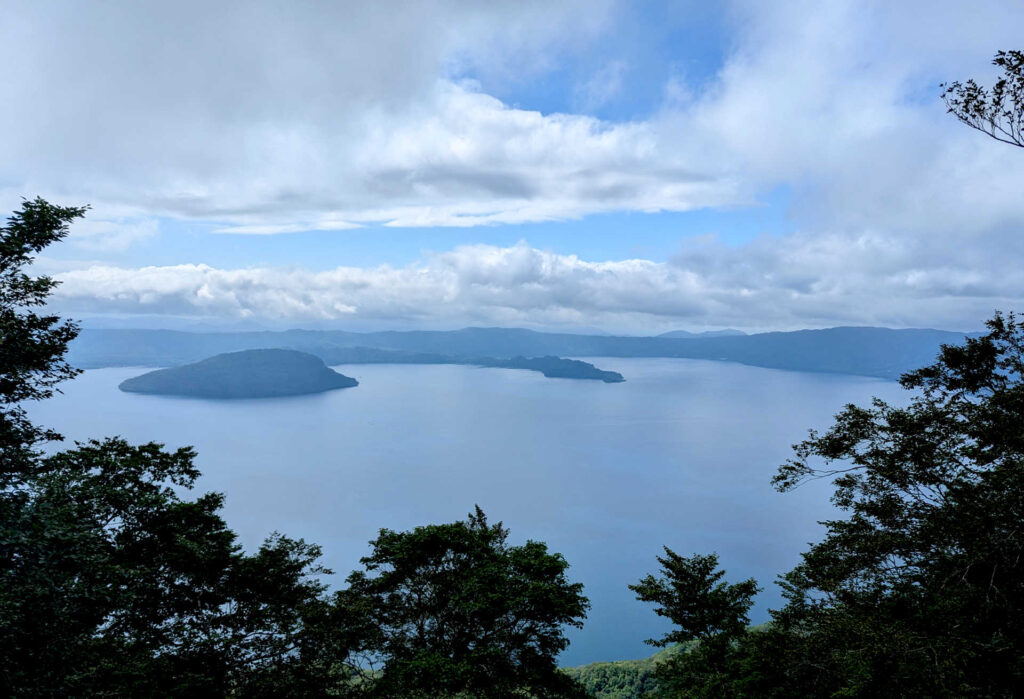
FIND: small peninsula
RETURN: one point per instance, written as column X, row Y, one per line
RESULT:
column 557, row 368
column 258, row 373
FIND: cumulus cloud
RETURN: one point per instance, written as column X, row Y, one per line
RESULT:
column 797, row 281
column 294, row 112
column 267, row 117
column 264, row 118
column 839, row 101
column 468, row 159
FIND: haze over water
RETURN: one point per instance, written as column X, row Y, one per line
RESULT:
column 680, row 455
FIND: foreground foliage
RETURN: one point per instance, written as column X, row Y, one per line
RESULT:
column 919, row 590
column 115, row 581
column 112, row 581
column 458, row 611
column 924, row 581
column 32, row 345
column 709, row 614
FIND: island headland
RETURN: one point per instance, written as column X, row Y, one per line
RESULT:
column 257, row 373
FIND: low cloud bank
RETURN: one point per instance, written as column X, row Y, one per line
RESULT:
column 772, row 283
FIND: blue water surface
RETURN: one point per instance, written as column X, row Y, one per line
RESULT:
column 679, row 455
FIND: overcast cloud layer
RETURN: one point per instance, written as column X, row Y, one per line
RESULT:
column 273, row 118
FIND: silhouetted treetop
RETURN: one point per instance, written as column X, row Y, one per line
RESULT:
column 999, row 111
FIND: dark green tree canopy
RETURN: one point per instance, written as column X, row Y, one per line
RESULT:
column 709, row 614
column 32, row 346
column 459, row 611
column 112, row 581
column 693, row 596
column 918, row 590
column 930, row 555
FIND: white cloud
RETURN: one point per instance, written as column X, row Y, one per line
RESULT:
column 291, row 112
column 461, row 158
column 796, row 281
column 468, row 159
column 840, row 101
column 268, row 118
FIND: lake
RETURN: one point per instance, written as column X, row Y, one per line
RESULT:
column 680, row 455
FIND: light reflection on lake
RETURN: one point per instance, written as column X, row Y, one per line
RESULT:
column 679, row 455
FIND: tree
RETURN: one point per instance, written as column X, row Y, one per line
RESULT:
column 458, row 611
column 691, row 593
column 919, row 589
column 998, row 112
column 112, row 581
column 706, row 610
column 925, row 577
column 32, row 346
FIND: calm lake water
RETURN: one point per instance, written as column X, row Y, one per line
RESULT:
column 680, row 455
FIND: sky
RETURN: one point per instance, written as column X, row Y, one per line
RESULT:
column 586, row 165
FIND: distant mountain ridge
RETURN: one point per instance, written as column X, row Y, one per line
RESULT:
column 865, row 351
column 686, row 334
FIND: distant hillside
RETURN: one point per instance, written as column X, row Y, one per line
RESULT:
column 686, row 334
column 264, row 373
column 620, row 679
column 628, row 679
column 334, row 355
column 864, row 351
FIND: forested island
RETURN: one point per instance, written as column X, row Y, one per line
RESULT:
column 227, row 376
column 261, row 373
column 556, row 368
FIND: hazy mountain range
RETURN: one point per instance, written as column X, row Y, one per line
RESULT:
column 866, row 351
column 686, row 334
